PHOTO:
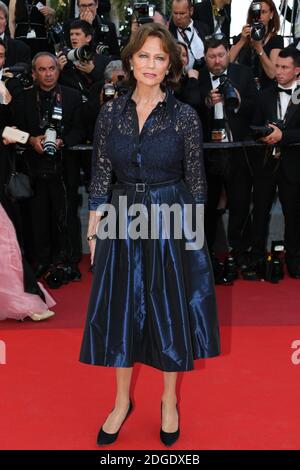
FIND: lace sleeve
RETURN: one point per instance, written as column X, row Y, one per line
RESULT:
column 101, row 165
column 194, row 173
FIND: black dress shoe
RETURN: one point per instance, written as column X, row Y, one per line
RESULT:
column 105, row 438
column 169, row 438
column 40, row 270
column 294, row 272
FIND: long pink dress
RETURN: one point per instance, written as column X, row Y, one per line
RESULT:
column 14, row 302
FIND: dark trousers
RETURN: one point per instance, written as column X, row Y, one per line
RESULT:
column 289, row 195
column 73, row 162
column 48, row 219
column 235, row 176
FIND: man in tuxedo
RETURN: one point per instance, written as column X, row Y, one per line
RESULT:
column 293, row 16
column 50, row 105
column 225, row 123
column 16, row 51
column 185, row 29
column 216, row 14
column 104, row 31
column 280, row 163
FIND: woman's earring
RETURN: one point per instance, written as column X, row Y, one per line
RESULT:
column 167, row 72
column 131, row 67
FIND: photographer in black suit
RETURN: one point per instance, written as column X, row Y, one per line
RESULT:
column 50, row 113
column 224, row 122
column 279, row 164
column 104, row 30
column 216, row 14
column 191, row 32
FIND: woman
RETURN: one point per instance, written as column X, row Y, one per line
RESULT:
column 15, row 303
column 152, row 300
column 188, row 91
column 260, row 55
column 28, row 20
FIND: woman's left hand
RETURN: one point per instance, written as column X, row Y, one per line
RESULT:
column 257, row 45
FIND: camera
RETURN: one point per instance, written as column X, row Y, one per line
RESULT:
column 57, row 37
column 83, row 54
column 227, row 90
column 258, row 132
column 102, row 49
column 258, row 30
column 21, row 72
column 111, row 89
column 274, row 264
column 49, row 145
column 143, row 12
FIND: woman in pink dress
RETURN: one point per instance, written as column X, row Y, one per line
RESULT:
column 14, row 301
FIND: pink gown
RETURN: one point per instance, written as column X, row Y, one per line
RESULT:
column 14, row 302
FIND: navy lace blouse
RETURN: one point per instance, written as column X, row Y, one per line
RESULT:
column 168, row 147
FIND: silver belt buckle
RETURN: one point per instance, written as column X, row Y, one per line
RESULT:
column 140, row 187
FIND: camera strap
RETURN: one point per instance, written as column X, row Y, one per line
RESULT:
column 187, row 40
column 52, row 111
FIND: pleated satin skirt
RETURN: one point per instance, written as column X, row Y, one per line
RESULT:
column 152, row 301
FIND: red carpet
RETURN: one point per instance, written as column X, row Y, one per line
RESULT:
column 246, row 399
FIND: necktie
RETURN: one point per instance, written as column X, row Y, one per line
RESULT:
column 289, row 91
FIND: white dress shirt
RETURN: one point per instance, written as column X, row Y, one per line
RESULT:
column 284, row 101
column 196, row 49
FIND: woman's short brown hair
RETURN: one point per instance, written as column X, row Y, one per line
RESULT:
column 274, row 23
column 169, row 45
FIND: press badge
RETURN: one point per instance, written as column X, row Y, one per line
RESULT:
column 31, row 34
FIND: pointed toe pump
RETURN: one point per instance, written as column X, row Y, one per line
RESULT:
column 105, row 438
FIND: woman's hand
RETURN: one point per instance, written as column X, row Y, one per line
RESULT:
column 92, row 245
column 245, row 35
column 47, row 11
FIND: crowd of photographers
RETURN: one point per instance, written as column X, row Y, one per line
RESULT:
column 55, row 77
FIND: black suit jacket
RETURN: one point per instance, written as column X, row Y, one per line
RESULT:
column 243, row 80
column 16, row 51
column 201, row 28
column 108, row 38
column 266, row 110
column 27, row 119
column 203, row 12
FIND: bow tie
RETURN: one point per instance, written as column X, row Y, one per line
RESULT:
column 289, row 91
column 216, row 77
column 186, row 29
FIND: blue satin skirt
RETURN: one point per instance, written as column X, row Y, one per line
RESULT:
column 152, row 301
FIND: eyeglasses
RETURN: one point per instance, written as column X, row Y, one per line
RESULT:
column 217, row 36
column 87, row 5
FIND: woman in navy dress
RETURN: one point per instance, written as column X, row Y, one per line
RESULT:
column 152, row 299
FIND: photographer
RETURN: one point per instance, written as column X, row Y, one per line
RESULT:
column 278, row 164
column 105, row 34
column 101, row 92
column 228, row 93
column 216, row 14
column 81, row 74
column 191, row 32
column 258, row 45
column 50, row 113
column 189, row 91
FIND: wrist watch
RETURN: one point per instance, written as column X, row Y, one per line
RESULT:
column 91, row 237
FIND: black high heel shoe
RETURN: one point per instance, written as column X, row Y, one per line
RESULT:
column 105, row 438
column 169, row 438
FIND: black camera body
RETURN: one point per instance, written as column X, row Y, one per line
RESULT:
column 143, row 12
column 228, row 92
column 21, row 72
column 258, row 30
column 258, row 132
column 110, row 90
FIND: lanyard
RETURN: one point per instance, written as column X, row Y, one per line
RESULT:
column 187, row 40
column 56, row 102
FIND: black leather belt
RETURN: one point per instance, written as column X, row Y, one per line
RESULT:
column 142, row 187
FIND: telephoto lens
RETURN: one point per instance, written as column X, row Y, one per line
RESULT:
column 49, row 146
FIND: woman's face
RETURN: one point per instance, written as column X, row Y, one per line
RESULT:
column 150, row 63
column 183, row 55
column 266, row 13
